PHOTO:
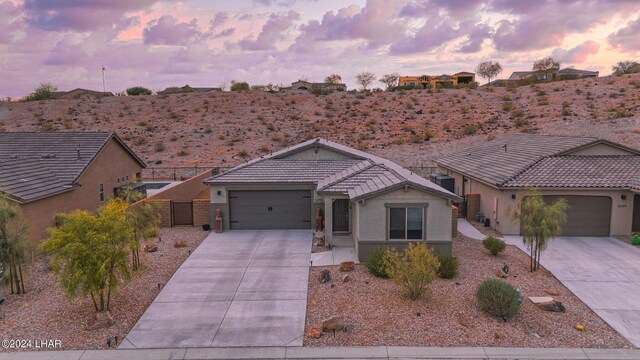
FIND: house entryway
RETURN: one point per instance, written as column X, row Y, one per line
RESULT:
column 340, row 215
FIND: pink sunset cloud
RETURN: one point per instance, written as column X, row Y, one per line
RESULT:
column 157, row 44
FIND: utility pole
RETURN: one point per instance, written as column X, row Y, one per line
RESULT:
column 104, row 89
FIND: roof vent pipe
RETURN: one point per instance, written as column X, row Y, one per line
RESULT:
column 504, row 147
column 78, row 150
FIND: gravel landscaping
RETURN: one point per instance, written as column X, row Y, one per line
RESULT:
column 44, row 312
column 448, row 314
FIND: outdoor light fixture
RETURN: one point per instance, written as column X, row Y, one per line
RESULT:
column 623, row 197
column 219, row 192
column 513, row 196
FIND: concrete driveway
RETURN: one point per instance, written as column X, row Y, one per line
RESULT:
column 603, row 272
column 239, row 288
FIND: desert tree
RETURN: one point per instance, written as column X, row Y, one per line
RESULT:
column 90, row 252
column 546, row 66
column 539, row 222
column 624, row 67
column 390, row 80
column 44, row 91
column 364, row 79
column 239, row 86
column 13, row 232
column 143, row 218
column 333, row 79
column 488, row 70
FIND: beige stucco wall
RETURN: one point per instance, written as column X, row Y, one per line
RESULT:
column 110, row 164
column 621, row 210
column 373, row 215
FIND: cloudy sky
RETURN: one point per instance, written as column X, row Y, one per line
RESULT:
column 211, row 42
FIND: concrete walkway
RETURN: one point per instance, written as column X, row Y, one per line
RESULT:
column 468, row 230
column 603, row 272
column 238, row 288
column 371, row 352
column 342, row 249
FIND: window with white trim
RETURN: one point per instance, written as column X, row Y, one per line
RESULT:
column 101, row 192
column 406, row 223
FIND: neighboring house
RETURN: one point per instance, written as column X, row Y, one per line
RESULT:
column 571, row 73
column 375, row 201
column 309, row 86
column 78, row 93
column 553, row 74
column 436, row 81
column 186, row 89
column 53, row 172
column 599, row 179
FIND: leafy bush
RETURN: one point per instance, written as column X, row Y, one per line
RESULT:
column 498, row 298
column 239, row 86
column 448, row 266
column 43, row 92
column 469, row 129
column 376, row 264
column 494, row 245
column 413, row 269
column 152, row 233
column 138, row 90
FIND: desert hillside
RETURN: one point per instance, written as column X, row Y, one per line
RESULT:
column 410, row 127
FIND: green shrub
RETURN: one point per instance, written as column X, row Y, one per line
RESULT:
column 413, row 269
column 152, row 233
column 448, row 266
column 239, row 86
column 43, row 92
column 494, row 245
column 498, row 298
column 138, row 90
column 375, row 263
column 635, row 240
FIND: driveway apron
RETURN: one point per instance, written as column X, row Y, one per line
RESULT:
column 238, row 288
column 603, row 272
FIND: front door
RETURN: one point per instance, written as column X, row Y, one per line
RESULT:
column 341, row 215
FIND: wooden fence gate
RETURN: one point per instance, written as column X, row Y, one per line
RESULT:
column 181, row 213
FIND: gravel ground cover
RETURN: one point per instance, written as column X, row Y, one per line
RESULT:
column 448, row 314
column 44, row 312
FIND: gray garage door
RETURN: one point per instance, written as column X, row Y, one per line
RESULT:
column 254, row 210
column 587, row 215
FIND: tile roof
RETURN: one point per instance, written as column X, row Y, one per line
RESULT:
column 498, row 161
column 363, row 176
column 582, row 171
column 286, row 171
column 38, row 164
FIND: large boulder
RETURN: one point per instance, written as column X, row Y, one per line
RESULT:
column 347, row 266
column 325, row 276
column 100, row 320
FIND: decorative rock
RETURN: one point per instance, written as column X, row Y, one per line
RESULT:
column 336, row 324
column 580, row 327
column 555, row 306
column 100, row 320
column 314, row 333
column 325, row 276
column 346, row 278
column 552, row 291
column 540, row 299
column 333, row 324
column 151, row 247
column 347, row 266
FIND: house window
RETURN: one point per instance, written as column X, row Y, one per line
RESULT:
column 406, row 223
column 101, row 192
